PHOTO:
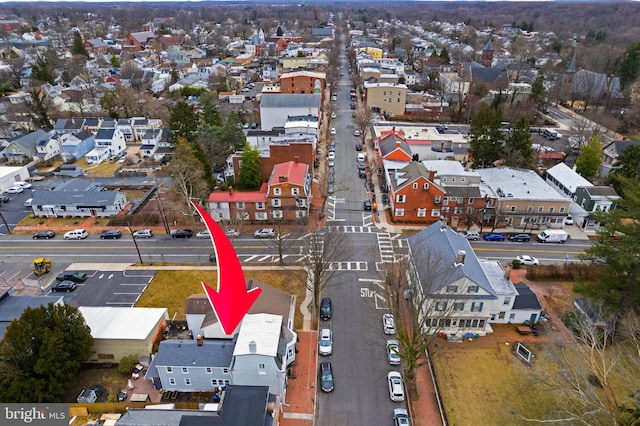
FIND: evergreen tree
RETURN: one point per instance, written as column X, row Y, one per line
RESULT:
column 115, row 62
column 537, row 89
column 619, row 284
column 183, row 122
column 628, row 66
column 590, row 158
column 517, row 147
column 627, row 165
column 41, row 353
column 485, row 137
column 250, row 176
column 77, row 48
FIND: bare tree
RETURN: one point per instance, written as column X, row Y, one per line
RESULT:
column 322, row 249
column 582, row 130
column 363, row 121
column 591, row 372
column 283, row 240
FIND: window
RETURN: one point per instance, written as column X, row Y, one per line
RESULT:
column 551, row 209
column 507, row 301
column 501, row 315
column 185, row 370
column 301, row 213
column 476, row 306
column 172, row 381
column 226, row 382
column 472, row 200
column 240, row 205
column 225, row 370
column 512, row 317
column 399, row 212
column 462, row 179
column 277, row 214
column 277, row 191
column 512, row 209
column 261, row 216
column 209, row 370
column 452, row 289
column 260, row 206
column 262, row 369
column 457, row 210
column 540, row 209
column 214, row 382
column 169, row 370
column 445, row 202
column 187, row 382
column 400, row 199
column 415, row 186
column 441, row 306
column 530, row 209
column 295, row 191
column 444, row 178
column 472, row 289
column 453, row 178
column 425, row 186
column 435, row 213
column 437, row 199
column 445, row 210
column 458, row 306
column 422, row 212
column 275, row 202
column 561, row 209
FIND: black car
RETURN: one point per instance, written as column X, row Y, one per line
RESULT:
column 112, row 234
column 182, row 233
column 44, row 235
column 358, row 147
column 212, row 258
column 66, row 285
column 326, row 377
column 520, row 237
column 367, row 206
column 75, row 276
column 325, row 308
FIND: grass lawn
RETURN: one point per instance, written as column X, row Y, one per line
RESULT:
column 92, row 376
column 170, row 289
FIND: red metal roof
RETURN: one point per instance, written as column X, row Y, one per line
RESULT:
column 240, row 197
column 295, row 172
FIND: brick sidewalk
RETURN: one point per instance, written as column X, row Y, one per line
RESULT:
column 299, row 409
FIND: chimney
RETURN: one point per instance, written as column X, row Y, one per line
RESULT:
column 432, row 175
column 230, row 189
column 460, row 257
column 199, row 339
column 252, row 347
column 296, row 159
column 397, row 143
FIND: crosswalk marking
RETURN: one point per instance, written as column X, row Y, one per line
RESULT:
column 385, row 246
column 348, row 266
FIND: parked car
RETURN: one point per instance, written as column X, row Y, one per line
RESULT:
column 24, row 185
column 494, row 236
column 212, row 258
column 325, row 344
column 367, row 206
column 520, row 237
column 28, row 201
column 332, row 155
column 333, row 115
column 203, row 234
column 112, row 234
column 388, row 324
column 568, row 220
column 43, row 235
column 15, row 190
column 331, row 189
column 143, row 233
column 232, row 233
column 396, row 386
column 358, row 147
column 76, row 234
column 332, row 162
column 471, row 235
column 400, row 417
column 356, row 133
column 65, row 285
column 75, row 276
column 264, row 233
column 527, row 260
column 325, row 308
column 4, row 198
column 393, row 352
column 333, row 131
column 326, row 377
column 182, row 233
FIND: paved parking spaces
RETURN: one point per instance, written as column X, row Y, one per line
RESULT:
column 112, row 288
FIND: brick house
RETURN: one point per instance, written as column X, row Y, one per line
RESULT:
column 413, row 196
column 301, row 82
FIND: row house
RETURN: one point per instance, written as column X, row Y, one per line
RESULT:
column 523, row 199
column 413, row 196
column 303, row 82
column 76, row 145
column 150, row 142
column 286, row 196
column 386, row 98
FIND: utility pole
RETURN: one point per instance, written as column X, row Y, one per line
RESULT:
column 163, row 215
column 135, row 243
column 5, row 223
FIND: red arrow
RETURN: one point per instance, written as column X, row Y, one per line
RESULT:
column 231, row 301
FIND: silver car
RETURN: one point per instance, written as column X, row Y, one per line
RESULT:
column 388, row 324
column 393, row 352
column 326, row 342
column 264, row 233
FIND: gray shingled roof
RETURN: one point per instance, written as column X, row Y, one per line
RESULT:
column 463, row 191
column 30, row 140
column 526, row 299
column 389, row 143
column 601, row 191
column 60, row 198
column 12, row 307
column 285, row 100
column 187, row 353
column 440, row 246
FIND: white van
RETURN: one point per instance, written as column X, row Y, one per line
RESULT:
column 76, row 234
column 550, row 134
column 552, row 236
column 28, row 202
column 361, row 157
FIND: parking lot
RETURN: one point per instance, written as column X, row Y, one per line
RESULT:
column 118, row 288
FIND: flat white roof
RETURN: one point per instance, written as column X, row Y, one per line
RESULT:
column 7, row 170
column 568, row 177
column 447, row 167
column 122, row 323
column 264, row 330
column 520, row 183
